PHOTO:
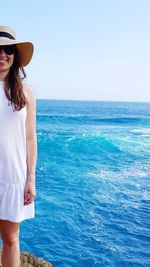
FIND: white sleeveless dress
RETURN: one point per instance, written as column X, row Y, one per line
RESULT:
column 13, row 163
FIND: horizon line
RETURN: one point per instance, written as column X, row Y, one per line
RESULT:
column 93, row 100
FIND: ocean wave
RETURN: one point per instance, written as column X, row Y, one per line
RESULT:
column 143, row 131
column 137, row 170
column 89, row 119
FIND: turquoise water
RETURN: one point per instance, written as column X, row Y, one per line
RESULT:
column 92, row 205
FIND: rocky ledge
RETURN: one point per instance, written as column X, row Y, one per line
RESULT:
column 30, row 260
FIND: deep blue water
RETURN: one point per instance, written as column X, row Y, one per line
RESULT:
column 93, row 169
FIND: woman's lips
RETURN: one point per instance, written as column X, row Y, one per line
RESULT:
column 3, row 60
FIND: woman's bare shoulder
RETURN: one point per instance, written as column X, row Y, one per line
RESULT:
column 29, row 92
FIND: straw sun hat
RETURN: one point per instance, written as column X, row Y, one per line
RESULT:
column 25, row 49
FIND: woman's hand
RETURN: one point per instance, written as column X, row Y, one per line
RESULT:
column 29, row 193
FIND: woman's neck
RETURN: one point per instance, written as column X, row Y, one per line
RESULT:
column 3, row 75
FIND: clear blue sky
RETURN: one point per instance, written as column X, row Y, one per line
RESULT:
column 85, row 49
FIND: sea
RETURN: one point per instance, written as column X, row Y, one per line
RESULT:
column 93, row 188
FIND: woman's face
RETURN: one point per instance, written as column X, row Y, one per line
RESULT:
column 6, row 61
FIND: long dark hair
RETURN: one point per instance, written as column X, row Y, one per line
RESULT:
column 13, row 84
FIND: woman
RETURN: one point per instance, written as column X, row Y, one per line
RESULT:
column 18, row 143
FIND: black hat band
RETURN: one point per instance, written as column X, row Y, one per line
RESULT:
column 7, row 35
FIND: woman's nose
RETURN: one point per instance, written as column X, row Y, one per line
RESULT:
column 2, row 51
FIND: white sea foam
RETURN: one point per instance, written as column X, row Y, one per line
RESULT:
column 71, row 138
column 141, row 131
column 146, row 196
column 135, row 170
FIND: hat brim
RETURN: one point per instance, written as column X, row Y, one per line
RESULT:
column 25, row 49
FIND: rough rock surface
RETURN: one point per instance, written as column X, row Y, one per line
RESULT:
column 29, row 260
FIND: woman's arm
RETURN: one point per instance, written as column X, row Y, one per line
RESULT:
column 31, row 141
